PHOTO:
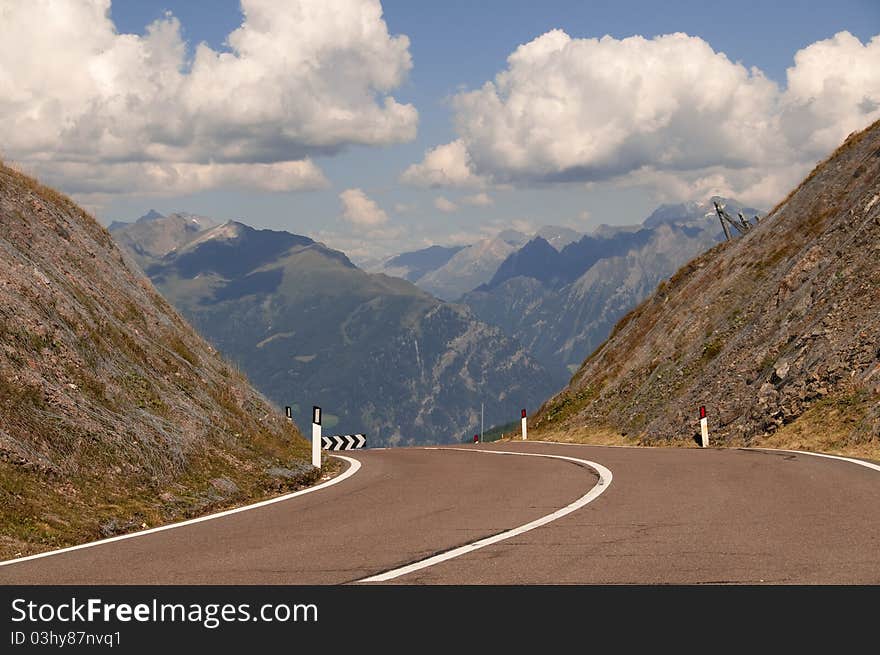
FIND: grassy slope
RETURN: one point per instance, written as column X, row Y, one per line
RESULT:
column 114, row 414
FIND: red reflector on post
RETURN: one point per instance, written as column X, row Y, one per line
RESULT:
column 524, row 413
column 702, row 411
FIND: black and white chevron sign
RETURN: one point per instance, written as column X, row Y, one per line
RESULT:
column 344, row 442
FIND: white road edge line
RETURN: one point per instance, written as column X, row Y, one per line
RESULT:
column 353, row 467
column 604, row 482
column 851, row 460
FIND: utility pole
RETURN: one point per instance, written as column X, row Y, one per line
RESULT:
column 742, row 226
column 481, row 422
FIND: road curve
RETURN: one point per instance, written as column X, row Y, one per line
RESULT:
column 401, row 506
column 671, row 516
column 692, row 516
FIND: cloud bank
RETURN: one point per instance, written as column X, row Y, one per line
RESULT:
column 106, row 112
column 637, row 109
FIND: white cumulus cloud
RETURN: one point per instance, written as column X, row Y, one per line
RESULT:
column 481, row 199
column 833, row 89
column 582, row 110
column 302, row 78
column 447, row 165
column 359, row 209
column 445, row 205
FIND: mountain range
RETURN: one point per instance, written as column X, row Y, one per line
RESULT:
column 448, row 272
column 561, row 304
column 377, row 353
column 536, row 310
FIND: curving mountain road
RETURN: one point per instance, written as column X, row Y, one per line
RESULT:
column 668, row 516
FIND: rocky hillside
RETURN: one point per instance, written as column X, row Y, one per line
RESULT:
column 777, row 333
column 378, row 354
column 114, row 414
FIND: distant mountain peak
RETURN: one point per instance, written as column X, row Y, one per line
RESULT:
column 558, row 236
column 117, row 225
column 695, row 211
column 230, row 231
column 227, row 231
column 154, row 235
column 536, row 259
column 417, row 263
column 513, row 237
column 151, row 215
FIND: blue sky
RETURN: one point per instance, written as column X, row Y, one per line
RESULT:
column 458, row 46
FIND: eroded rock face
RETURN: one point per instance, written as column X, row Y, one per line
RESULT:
column 759, row 329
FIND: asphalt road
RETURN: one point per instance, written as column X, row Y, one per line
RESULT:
column 669, row 516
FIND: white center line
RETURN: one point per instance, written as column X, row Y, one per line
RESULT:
column 603, row 483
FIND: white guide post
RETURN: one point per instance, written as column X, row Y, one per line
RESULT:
column 288, row 412
column 316, row 436
column 704, row 426
column 525, row 428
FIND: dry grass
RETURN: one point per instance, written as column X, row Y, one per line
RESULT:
column 113, row 412
column 839, row 425
column 565, row 406
column 825, row 429
column 584, row 435
column 54, row 197
column 39, row 513
column 832, row 427
column 851, row 141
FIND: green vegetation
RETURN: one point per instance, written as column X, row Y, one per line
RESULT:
column 711, row 349
column 567, row 405
column 512, row 429
column 178, row 346
column 143, row 393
